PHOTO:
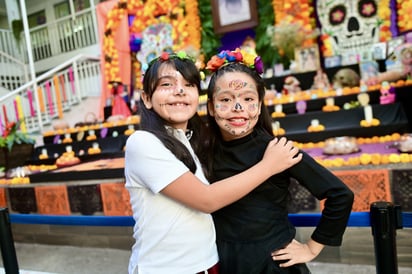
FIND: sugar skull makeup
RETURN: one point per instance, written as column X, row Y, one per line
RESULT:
column 236, row 105
column 174, row 99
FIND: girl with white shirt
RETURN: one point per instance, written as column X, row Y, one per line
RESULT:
column 170, row 196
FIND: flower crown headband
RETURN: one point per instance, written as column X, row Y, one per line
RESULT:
column 226, row 57
column 168, row 56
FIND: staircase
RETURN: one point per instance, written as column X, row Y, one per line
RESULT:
column 56, row 94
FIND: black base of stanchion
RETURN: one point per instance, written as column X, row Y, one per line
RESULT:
column 8, row 251
column 385, row 219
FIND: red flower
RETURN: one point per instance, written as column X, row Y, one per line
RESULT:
column 164, row 56
column 215, row 63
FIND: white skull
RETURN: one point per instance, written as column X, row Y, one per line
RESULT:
column 353, row 24
column 156, row 39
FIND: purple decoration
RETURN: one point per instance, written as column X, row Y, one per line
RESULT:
column 56, row 139
column 135, row 42
column 259, row 65
column 394, row 19
column 130, row 19
column 103, row 132
column 301, row 106
column 233, row 40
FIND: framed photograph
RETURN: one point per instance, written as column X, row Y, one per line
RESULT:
column 394, row 43
column 307, row 58
column 232, row 15
column 350, row 58
column 379, row 51
column 333, row 61
column 368, row 69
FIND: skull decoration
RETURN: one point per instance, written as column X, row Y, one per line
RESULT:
column 353, row 25
column 156, row 39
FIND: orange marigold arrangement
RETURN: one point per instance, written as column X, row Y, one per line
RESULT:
column 373, row 123
column 364, row 158
column 182, row 15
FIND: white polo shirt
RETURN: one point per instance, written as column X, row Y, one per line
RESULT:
column 170, row 237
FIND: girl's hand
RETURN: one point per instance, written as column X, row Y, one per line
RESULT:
column 296, row 253
column 280, row 154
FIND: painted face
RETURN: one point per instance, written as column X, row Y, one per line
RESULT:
column 235, row 105
column 174, row 99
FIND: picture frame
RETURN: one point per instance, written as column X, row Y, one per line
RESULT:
column 233, row 15
column 379, row 51
column 368, row 69
column 307, row 58
column 333, row 61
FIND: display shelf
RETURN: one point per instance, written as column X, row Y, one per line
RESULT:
column 318, row 103
column 108, row 145
column 81, row 134
column 392, row 118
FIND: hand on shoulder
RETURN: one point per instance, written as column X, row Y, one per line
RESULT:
column 281, row 154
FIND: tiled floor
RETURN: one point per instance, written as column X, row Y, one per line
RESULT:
column 48, row 259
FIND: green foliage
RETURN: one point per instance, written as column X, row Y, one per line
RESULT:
column 17, row 28
column 262, row 39
column 210, row 40
column 12, row 135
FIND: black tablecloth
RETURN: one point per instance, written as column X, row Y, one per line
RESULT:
column 392, row 119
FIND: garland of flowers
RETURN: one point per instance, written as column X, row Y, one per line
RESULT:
column 294, row 26
column 404, row 8
column 384, row 14
column 148, row 13
column 300, row 12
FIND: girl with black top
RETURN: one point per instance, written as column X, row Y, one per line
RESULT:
column 254, row 235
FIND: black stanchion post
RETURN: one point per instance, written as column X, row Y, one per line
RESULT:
column 8, row 252
column 385, row 219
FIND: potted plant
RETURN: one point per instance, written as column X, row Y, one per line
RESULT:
column 16, row 146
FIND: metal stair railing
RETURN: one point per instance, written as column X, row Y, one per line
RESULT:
column 38, row 102
column 13, row 72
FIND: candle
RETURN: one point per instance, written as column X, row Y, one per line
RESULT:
column 58, row 97
column 368, row 113
column 278, row 108
column 330, row 101
column 314, row 122
column 30, row 97
column 275, row 126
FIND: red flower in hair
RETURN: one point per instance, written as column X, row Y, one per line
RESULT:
column 215, row 63
column 164, row 56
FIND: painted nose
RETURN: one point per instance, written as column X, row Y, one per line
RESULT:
column 179, row 91
column 237, row 107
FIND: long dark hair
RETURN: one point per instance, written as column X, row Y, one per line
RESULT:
column 264, row 121
column 152, row 122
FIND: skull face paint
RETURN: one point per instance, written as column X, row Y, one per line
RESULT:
column 353, row 24
column 236, row 106
column 169, row 103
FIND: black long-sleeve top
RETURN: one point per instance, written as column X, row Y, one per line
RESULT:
column 258, row 223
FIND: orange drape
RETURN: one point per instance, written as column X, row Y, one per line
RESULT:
column 122, row 45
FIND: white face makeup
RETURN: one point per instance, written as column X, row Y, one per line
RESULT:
column 235, row 105
column 174, row 99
